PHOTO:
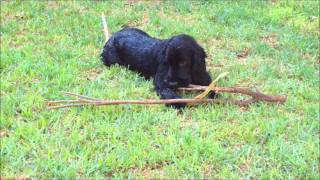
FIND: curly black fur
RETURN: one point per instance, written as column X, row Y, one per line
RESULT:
column 175, row 62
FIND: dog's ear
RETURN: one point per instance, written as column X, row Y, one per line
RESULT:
column 199, row 64
column 167, row 54
column 167, row 51
column 200, row 75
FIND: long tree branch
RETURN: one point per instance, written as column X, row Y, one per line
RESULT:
column 153, row 101
column 89, row 101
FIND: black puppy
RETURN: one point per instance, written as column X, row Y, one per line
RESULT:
column 175, row 62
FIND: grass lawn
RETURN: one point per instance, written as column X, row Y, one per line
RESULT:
column 50, row 47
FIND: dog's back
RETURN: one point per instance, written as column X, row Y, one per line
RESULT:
column 133, row 48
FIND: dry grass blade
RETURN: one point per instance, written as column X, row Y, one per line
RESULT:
column 211, row 86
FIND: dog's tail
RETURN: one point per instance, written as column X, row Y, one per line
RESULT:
column 105, row 27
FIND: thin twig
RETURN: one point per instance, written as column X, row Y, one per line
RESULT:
column 69, row 101
column 80, row 96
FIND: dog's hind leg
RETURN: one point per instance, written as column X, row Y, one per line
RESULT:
column 109, row 55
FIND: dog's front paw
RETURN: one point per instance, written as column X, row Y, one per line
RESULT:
column 177, row 105
column 170, row 94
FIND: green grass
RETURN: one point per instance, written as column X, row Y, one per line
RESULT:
column 51, row 47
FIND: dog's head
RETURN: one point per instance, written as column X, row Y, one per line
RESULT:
column 185, row 59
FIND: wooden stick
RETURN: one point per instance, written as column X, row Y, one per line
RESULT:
column 256, row 96
column 163, row 101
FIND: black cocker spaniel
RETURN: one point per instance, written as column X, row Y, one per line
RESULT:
column 175, row 62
